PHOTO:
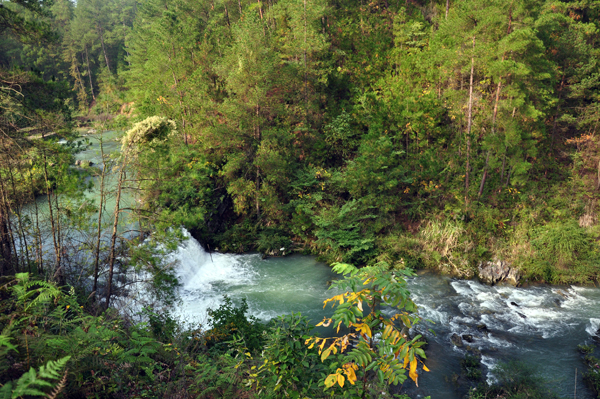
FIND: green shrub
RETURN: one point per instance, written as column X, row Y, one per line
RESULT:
column 343, row 234
column 561, row 243
column 228, row 321
column 516, row 380
column 471, row 365
column 270, row 242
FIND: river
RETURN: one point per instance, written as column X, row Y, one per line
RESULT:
column 539, row 325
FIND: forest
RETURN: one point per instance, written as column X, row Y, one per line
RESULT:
column 380, row 136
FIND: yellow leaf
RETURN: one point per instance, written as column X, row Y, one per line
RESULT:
column 325, row 323
column 330, row 380
column 359, row 305
column 425, row 368
column 325, row 354
column 349, row 369
column 340, row 380
column 364, row 329
column 413, row 371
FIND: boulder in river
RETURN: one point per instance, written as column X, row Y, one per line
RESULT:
column 474, row 351
column 482, row 327
column 467, row 337
column 456, row 340
column 494, row 272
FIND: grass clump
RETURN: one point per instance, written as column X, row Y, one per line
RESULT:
column 516, row 380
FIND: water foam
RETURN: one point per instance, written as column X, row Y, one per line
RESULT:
column 204, row 276
column 200, row 271
column 593, row 326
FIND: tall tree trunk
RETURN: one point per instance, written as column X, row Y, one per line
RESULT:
column 5, row 248
column 89, row 73
column 257, row 178
column 560, row 92
column 101, row 33
column 494, row 116
column 305, row 70
column 57, row 249
column 113, row 237
column 13, row 259
column 99, row 230
column 447, row 8
column 17, row 212
column 469, row 122
column 38, row 239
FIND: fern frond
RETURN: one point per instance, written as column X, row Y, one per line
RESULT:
column 25, row 385
column 29, row 382
column 6, row 391
column 5, row 341
column 61, row 385
column 53, row 368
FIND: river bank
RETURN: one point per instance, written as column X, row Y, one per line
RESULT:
column 540, row 325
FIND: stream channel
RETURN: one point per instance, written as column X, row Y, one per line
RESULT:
column 539, row 325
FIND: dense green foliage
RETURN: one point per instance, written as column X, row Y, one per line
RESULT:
column 436, row 134
column 592, row 375
column 46, row 330
column 362, row 131
column 407, row 134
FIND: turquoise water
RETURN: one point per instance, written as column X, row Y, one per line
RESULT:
column 540, row 325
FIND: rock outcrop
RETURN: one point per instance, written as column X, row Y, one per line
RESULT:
column 456, row 340
column 468, row 338
column 498, row 271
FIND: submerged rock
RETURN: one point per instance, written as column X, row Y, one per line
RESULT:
column 498, row 271
column 467, row 337
column 475, row 351
column 482, row 327
column 514, row 304
column 456, row 340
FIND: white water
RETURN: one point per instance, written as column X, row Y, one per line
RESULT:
column 271, row 287
column 539, row 325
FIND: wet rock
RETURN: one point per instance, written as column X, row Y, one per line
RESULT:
column 522, row 315
column 498, row 271
column 456, row 340
column 514, row 304
column 83, row 163
column 482, row 327
column 467, row 337
column 91, row 131
column 474, row 351
column 557, row 303
column 514, row 275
